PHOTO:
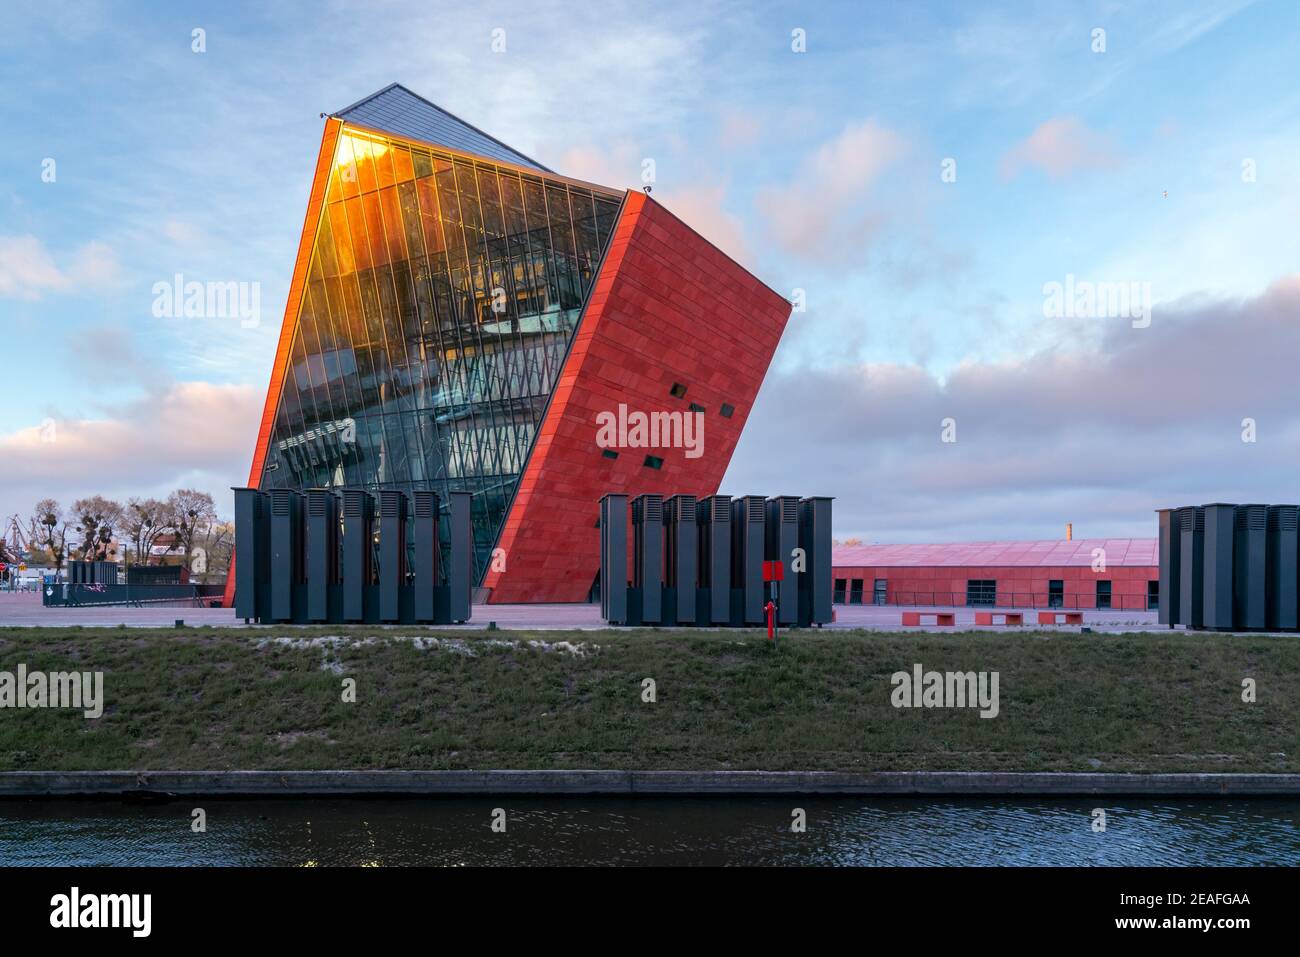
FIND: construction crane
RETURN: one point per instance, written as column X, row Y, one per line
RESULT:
column 17, row 539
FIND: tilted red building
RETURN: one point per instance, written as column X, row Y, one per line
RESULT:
column 460, row 319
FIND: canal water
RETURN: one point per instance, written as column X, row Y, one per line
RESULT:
column 664, row 831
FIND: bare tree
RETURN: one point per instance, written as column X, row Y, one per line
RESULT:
column 189, row 511
column 97, row 518
column 144, row 520
column 50, row 531
column 217, row 541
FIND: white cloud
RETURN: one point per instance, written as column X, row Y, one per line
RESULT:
column 182, row 232
column 28, row 270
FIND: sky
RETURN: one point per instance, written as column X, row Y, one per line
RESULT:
column 921, row 178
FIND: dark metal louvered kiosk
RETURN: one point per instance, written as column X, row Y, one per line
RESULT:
column 1282, row 567
column 309, row 557
column 1250, row 551
column 253, row 570
column 698, row 562
column 323, row 556
column 1231, row 567
column 1213, row 569
column 358, row 551
column 681, row 558
column 782, row 540
column 1191, row 542
column 392, row 555
column 613, row 558
column 748, row 549
column 713, row 516
column 1170, row 555
column 426, row 568
column 286, row 554
column 648, row 555
column 815, row 540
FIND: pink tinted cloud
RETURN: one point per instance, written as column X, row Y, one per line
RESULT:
column 827, row 208
column 188, row 433
column 700, row 202
column 617, row 166
column 1060, row 147
column 739, row 130
column 28, row 270
column 702, row 208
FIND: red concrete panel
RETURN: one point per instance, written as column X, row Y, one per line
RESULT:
column 666, row 307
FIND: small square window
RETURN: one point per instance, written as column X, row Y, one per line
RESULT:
column 678, row 390
column 696, row 407
column 609, row 454
column 727, row 411
column 654, row 462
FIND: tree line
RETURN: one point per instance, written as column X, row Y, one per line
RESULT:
column 184, row 525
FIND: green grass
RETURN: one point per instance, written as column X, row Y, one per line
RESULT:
column 231, row 699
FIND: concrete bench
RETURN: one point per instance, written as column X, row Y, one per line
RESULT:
column 1008, row 617
column 1054, row 617
column 940, row 617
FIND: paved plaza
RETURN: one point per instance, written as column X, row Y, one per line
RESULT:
column 25, row 609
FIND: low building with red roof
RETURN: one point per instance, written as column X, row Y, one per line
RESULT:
column 1119, row 573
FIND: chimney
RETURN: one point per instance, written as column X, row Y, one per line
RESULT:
column 1069, row 531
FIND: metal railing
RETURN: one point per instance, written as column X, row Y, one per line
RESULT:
column 90, row 595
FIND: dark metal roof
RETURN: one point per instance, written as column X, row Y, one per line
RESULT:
column 397, row 110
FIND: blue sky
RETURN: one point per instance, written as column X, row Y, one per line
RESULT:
column 820, row 170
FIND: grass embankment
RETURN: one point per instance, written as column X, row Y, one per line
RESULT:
column 238, row 699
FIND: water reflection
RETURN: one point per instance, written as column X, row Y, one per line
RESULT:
column 678, row 831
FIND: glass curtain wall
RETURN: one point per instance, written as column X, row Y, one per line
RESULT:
column 440, row 301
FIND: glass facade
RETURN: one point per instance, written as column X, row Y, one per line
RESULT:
column 440, row 301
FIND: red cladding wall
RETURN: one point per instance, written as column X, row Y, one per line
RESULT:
column 667, row 308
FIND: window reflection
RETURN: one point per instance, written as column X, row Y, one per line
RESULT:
column 440, row 301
